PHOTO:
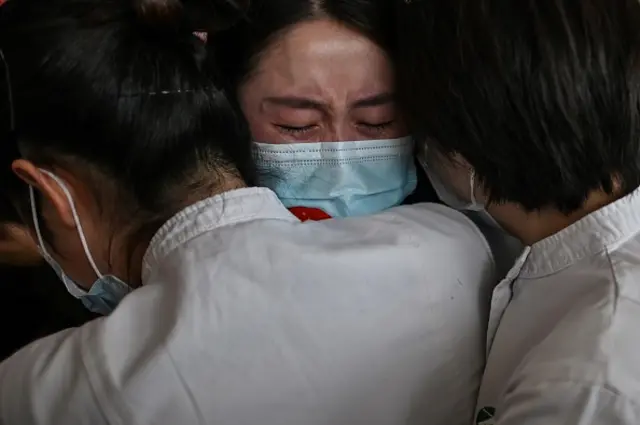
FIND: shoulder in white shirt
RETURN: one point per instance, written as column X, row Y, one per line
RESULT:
column 247, row 316
column 567, row 347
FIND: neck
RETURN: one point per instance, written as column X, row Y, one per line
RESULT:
column 198, row 191
column 132, row 262
column 532, row 227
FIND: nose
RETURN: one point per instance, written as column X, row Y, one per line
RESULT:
column 340, row 130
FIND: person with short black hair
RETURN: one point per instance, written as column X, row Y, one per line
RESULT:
column 531, row 111
column 133, row 172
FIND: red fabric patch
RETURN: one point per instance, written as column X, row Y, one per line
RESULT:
column 313, row 214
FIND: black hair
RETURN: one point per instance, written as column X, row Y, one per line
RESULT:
column 239, row 48
column 539, row 96
column 123, row 92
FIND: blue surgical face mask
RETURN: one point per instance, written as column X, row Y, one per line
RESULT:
column 340, row 178
column 108, row 290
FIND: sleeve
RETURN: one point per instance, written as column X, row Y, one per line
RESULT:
column 46, row 383
column 567, row 403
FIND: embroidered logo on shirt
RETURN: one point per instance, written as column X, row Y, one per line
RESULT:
column 485, row 416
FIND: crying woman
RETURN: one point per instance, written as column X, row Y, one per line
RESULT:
column 316, row 85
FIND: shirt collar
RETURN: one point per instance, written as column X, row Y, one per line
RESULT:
column 236, row 206
column 604, row 228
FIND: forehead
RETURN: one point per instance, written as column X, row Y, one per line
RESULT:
column 325, row 59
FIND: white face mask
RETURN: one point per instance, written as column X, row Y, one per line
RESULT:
column 108, row 290
column 445, row 192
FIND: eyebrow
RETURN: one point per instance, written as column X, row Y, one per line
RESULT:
column 295, row 102
column 375, row 100
column 305, row 103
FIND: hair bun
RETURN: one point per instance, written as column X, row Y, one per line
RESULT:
column 197, row 15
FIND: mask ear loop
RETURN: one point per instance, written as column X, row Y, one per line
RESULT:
column 36, row 222
column 76, row 220
column 472, row 188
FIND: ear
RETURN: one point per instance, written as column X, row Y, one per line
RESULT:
column 48, row 187
column 480, row 193
column 460, row 162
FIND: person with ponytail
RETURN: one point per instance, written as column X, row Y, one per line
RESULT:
column 132, row 169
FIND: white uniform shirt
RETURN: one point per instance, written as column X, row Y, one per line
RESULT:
column 248, row 316
column 566, row 349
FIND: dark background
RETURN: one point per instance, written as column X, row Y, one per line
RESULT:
column 34, row 303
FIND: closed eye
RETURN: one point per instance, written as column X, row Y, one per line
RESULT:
column 376, row 126
column 295, row 130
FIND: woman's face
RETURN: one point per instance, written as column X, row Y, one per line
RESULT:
column 321, row 81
